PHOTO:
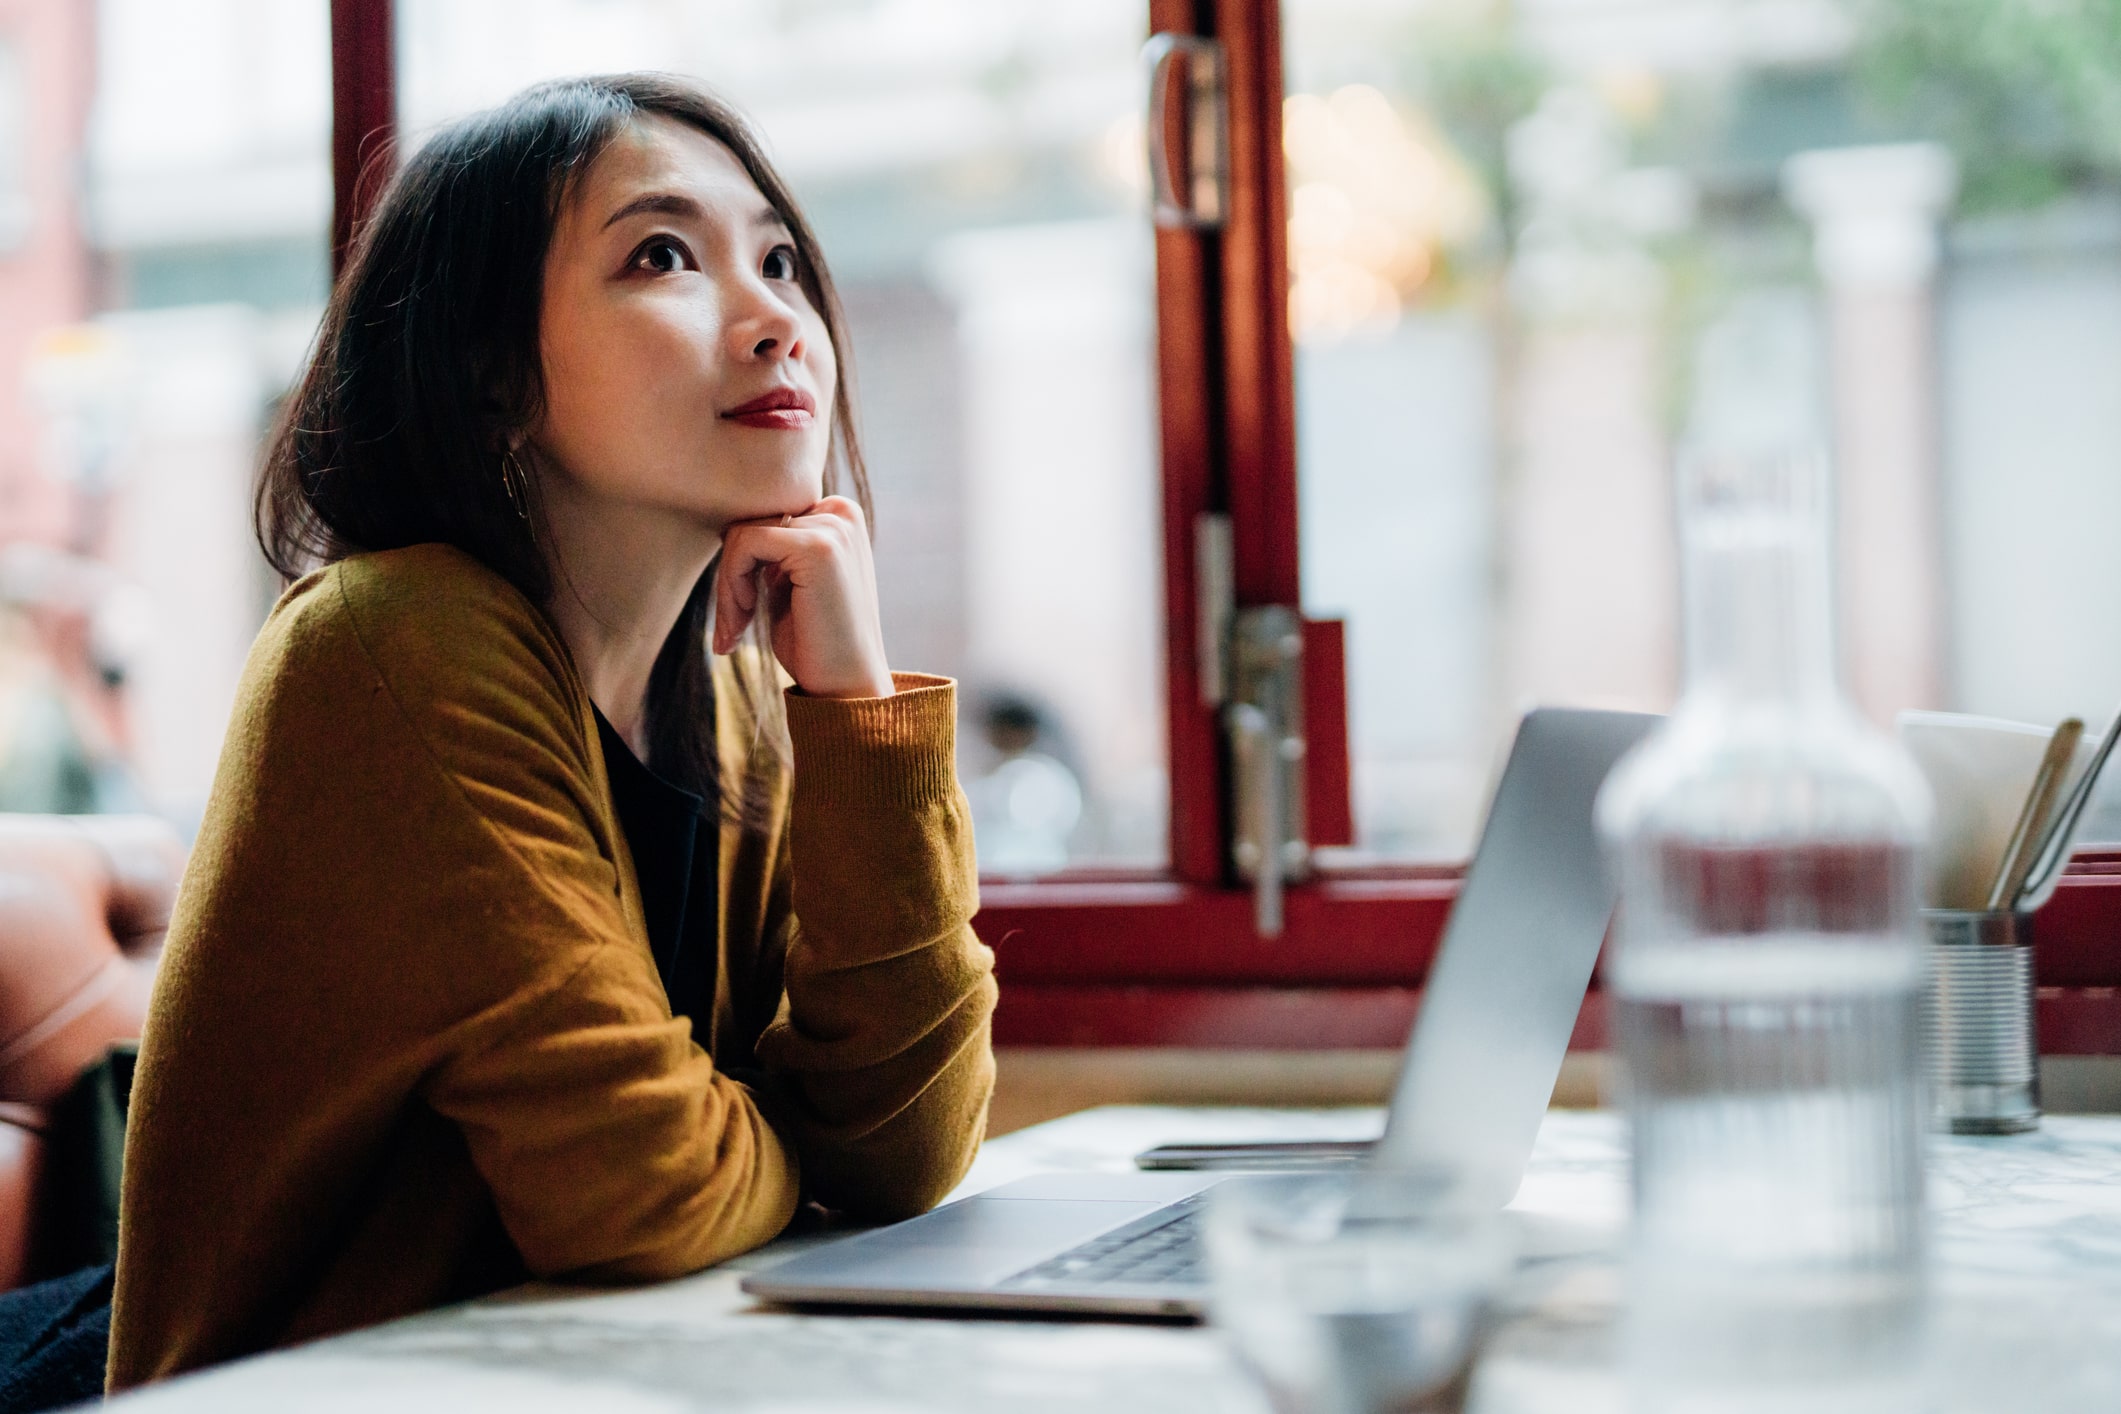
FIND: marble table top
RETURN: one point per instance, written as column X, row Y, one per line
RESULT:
column 2028, row 1307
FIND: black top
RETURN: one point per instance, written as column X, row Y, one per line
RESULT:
column 673, row 838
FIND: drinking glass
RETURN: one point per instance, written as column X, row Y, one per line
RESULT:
column 1363, row 1292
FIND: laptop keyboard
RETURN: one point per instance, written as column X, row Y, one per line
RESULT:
column 1161, row 1249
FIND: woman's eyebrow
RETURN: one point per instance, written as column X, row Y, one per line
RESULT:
column 677, row 204
column 663, row 202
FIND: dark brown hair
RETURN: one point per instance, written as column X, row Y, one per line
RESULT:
column 427, row 369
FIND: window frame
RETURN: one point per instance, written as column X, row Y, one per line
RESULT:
column 364, row 113
column 1169, row 958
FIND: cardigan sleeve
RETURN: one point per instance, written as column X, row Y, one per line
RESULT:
column 880, row 1049
column 612, row 1146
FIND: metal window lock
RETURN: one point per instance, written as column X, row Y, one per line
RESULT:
column 1251, row 666
column 1265, row 722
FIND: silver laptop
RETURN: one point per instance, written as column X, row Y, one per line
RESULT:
column 1500, row 1002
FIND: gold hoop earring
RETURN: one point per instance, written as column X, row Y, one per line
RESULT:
column 515, row 484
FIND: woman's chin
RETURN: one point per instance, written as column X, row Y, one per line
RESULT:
column 791, row 498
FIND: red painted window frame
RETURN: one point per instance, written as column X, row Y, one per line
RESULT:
column 364, row 112
column 1171, row 958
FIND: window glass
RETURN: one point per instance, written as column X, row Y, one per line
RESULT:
column 974, row 171
column 1537, row 245
column 164, row 191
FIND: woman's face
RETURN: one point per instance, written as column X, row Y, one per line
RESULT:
column 685, row 369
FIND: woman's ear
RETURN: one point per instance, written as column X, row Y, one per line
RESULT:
column 504, row 401
column 503, row 429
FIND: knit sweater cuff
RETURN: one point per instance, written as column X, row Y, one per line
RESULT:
column 857, row 753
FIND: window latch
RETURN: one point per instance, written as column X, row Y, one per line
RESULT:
column 1250, row 665
column 1187, row 178
column 1214, row 605
column 1264, row 719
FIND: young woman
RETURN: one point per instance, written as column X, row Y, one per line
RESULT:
column 525, row 936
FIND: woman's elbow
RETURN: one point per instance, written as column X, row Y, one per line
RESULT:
column 928, row 1152
column 675, row 1255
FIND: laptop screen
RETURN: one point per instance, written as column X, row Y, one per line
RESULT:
column 1516, row 957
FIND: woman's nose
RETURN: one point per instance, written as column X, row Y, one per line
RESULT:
column 766, row 327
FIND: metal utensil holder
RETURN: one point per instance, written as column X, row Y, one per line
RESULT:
column 1983, row 1054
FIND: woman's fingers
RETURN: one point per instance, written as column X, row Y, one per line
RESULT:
column 814, row 573
column 735, row 596
column 750, row 550
column 838, row 508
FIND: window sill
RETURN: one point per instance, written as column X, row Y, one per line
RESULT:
column 1140, row 961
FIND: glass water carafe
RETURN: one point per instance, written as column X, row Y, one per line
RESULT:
column 1766, row 983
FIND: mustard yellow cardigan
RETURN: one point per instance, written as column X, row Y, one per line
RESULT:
column 409, row 1041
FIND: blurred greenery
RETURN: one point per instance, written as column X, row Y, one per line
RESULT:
column 2026, row 92
column 1478, row 80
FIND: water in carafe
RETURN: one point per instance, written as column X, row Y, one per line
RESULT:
column 1766, row 981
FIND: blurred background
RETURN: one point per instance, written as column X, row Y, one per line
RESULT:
column 1536, row 245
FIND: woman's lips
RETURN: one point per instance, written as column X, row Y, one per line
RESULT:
column 782, row 410
column 779, row 419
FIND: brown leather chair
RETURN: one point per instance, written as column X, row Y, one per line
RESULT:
column 84, row 903
column 21, row 1153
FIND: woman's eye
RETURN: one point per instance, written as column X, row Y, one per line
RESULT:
column 780, row 263
column 661, row 255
